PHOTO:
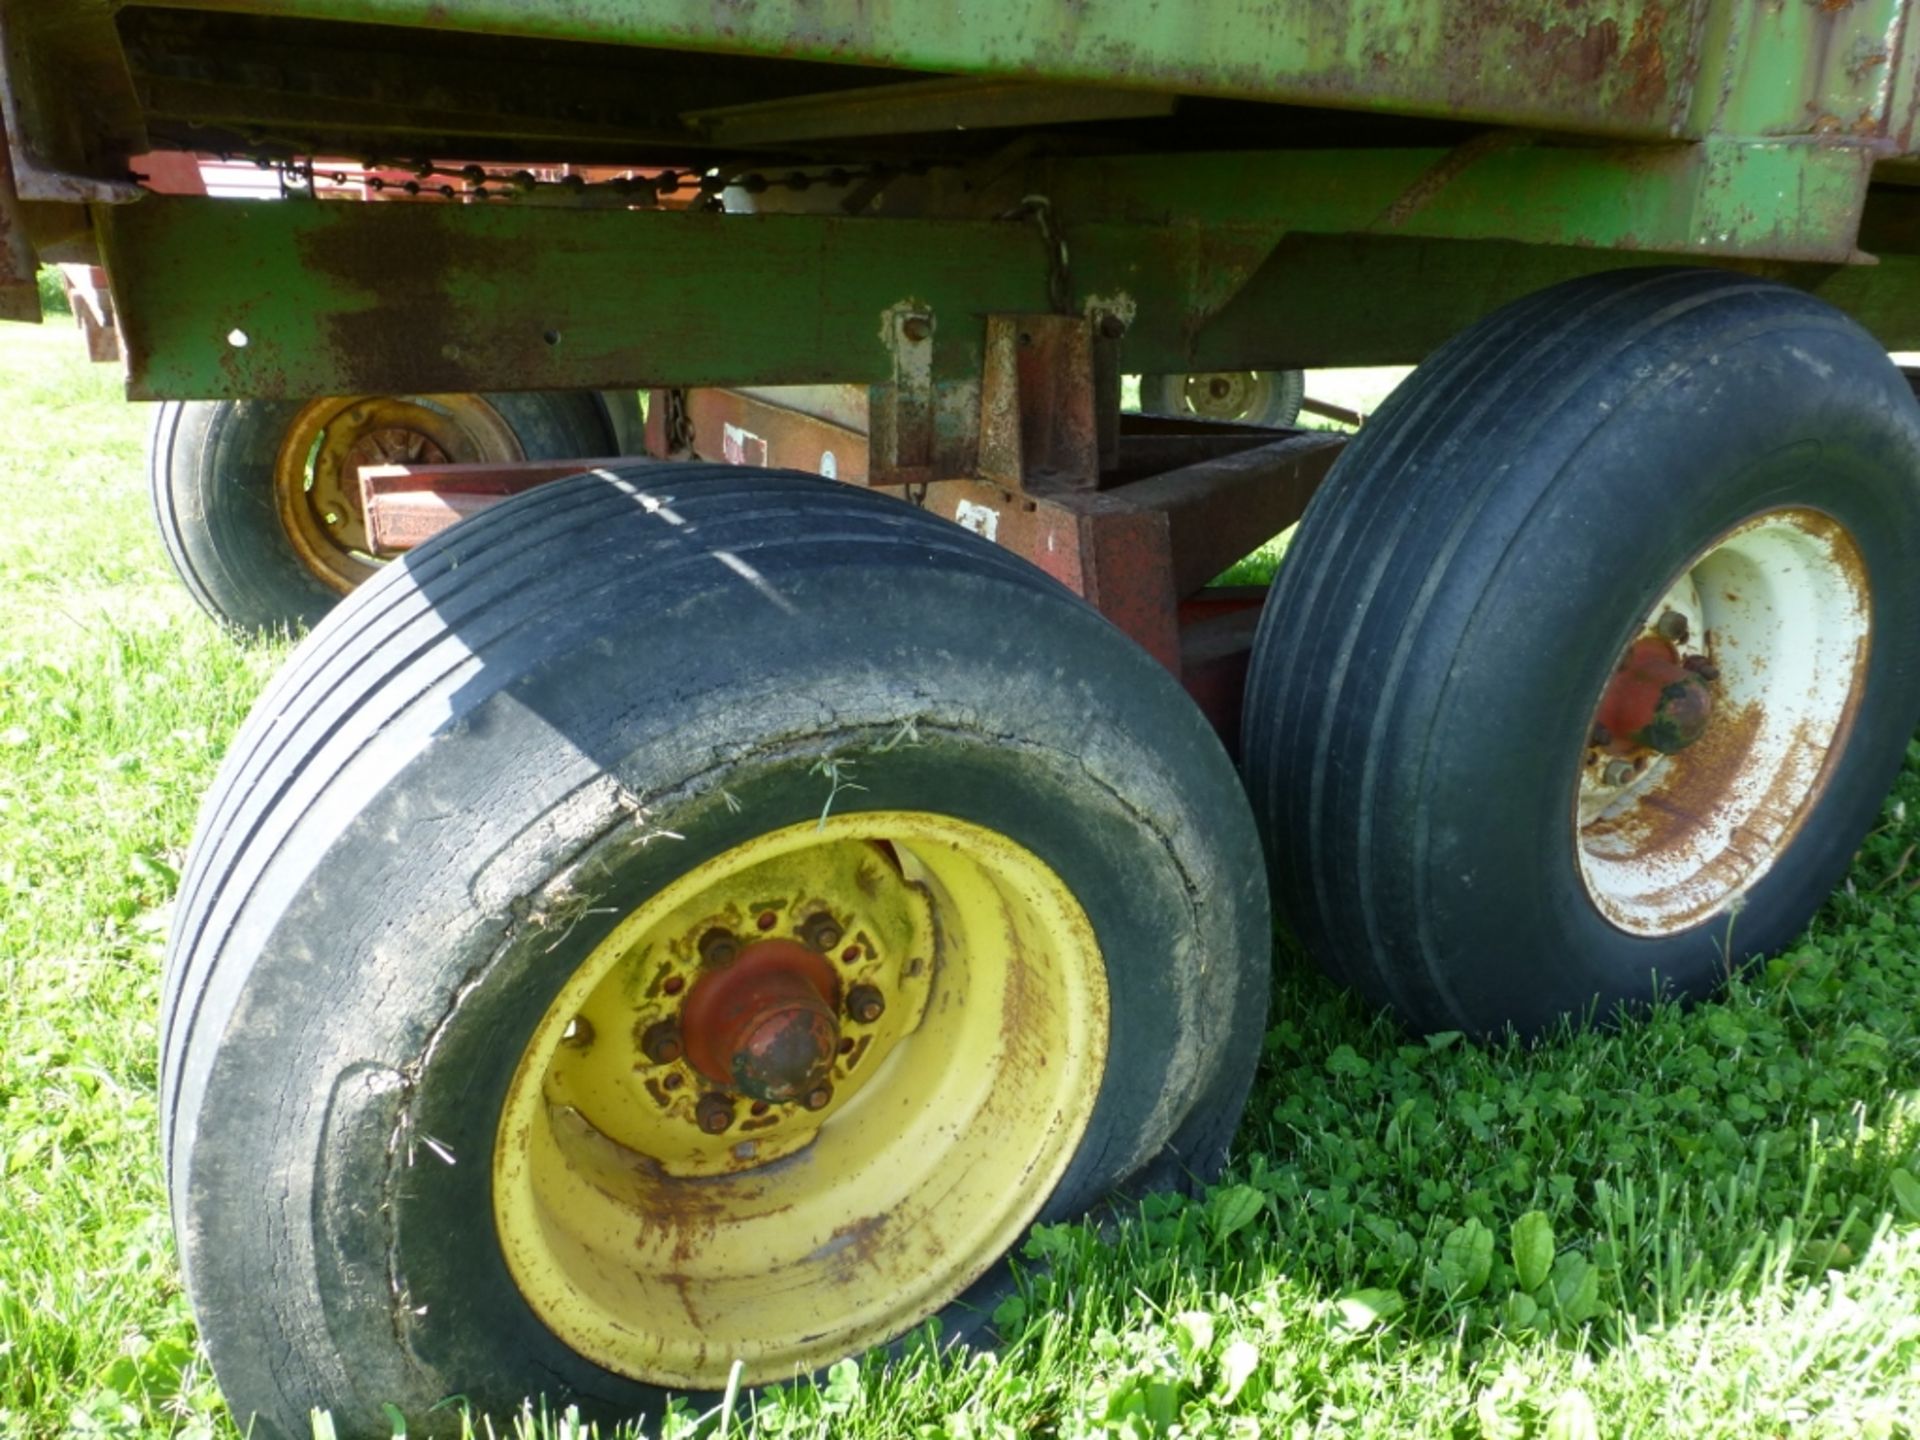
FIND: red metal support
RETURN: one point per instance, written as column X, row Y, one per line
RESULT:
column 1139, row 551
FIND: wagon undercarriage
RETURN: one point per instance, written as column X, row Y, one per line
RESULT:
column 682, row 922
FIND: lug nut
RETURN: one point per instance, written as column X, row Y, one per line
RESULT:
column 866, row 1004
column 715, row 1114
column 661, row 1042
column 1112, row 327
column 1619, row 772
column 916, row 328
column 718, row 947
column 821, row 932
column 819, row 1097
column 1671, row 626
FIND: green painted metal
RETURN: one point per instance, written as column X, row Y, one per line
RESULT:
column 338, row 298
column 1739, row 131
column 1720, row 198
column 1610, row 67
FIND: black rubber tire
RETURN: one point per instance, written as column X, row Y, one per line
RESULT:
column 1425, row 673
column 352, row 960
column 210, row 473
column 1279, row 405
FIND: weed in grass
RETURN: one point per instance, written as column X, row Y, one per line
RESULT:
column 1696, row 1222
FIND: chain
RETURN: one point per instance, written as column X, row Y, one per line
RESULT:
column 678, row 427
column 1039, row 209
column 300, row 174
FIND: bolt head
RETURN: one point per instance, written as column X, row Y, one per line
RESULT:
column 819, row 1097
column 1619, row 772
column 718, row 947
column 1672, row 627
column 866, row 1004
column 714, row 1114
column 661, row 1042
column 916, row 328
column 1112, row 327
column 821, row 932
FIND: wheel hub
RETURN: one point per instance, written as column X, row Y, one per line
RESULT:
column 668, row 1225
column 316, row 474
column 1223, row 394
column 1655, row 701
column 390, row 445
column 1718, row 726
column 765, row 1024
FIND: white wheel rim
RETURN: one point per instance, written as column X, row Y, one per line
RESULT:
column 1781, row 606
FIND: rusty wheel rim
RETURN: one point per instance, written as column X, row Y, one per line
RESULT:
column 801, row 1099
column 315, row 472
column 1227, row 394
column 1718, row 729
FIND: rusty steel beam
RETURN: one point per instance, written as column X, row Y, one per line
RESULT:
column 407, row 505
column 1039, row 423
column 746, row 430
column 1220, row 510
column 1134, row 552
column 1216, row 645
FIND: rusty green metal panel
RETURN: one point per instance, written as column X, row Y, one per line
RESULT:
column 371, row 298
column 1719, row 198
column 1827, row 69
column 1609, row 67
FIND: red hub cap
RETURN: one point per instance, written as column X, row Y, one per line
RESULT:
column 1654, row 701
column 764, row 1024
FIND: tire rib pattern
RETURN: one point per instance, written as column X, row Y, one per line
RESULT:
column 390, row 648
column 1335, row 734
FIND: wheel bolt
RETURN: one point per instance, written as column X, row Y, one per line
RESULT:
column 661, row 1042
column 821, row 932
column 866, row 1004
column 819, row 1097
column 1619, row 772
column 718, row 947
column 714, row 1114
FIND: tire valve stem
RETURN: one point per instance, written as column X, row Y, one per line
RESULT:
column 866, row 1004
column 714, row 1114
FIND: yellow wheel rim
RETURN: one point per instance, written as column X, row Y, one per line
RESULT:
column 664, row 1244
column 316, row 470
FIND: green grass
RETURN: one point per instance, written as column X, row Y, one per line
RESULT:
column 53, row 295
column 1703, row 1223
